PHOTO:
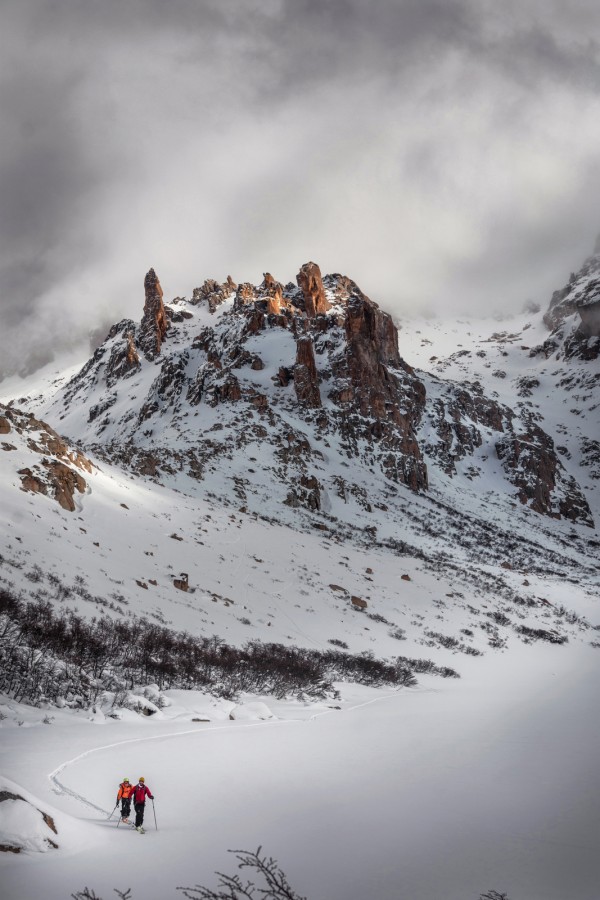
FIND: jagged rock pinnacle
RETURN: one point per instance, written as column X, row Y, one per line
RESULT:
column 154, row 325
column 311, row 284
column 306, row 379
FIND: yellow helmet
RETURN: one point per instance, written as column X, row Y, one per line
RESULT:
column 142, row 778
column 126, row 780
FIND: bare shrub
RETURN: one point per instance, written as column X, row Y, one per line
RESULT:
column 231, row 887
column 45, row 657
column 271, row 883
column 398, row 633
column 541, row 634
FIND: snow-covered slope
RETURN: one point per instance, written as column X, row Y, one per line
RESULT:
column 280, row 511
column 525, row 369
column 263, row 464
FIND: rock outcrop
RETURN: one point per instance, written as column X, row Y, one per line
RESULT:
column 153, row 327
column 461, row 419
column 214, row 294
column 580, row 297
column 306, row 379
column 272, row 291
column 53, row 467
column 124, row 359
column 534, row 468
column 380, row 393
column 311, row 284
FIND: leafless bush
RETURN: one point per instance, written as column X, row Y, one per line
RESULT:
column 427, row 667
column 452, row 643
column 541, row 634
column 377, row 617
column 272, row 883
column 398, row 633
column 499, row 618
column 87, row 894
column 571, row 617
column 44, row 657
column 231, row 887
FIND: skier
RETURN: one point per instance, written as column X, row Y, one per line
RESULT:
column 140, row 792
column 124, row 795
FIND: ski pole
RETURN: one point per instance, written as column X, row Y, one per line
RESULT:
column 154, row 811
column 112, row 813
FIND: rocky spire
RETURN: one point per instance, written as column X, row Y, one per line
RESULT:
column 154, row 322
column 306, row 380
column 380, row 387
column 273, row 292
column 311, row 284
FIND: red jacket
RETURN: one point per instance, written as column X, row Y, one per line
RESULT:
column 140, row 792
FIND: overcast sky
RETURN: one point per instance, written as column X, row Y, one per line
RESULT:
column 443, row 153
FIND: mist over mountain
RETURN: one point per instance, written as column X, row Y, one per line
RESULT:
column 448, row 149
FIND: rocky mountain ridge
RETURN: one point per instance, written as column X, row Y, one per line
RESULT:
column 312, row 371
column 264, row 463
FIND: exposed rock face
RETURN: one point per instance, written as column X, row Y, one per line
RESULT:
column 124, row 359
column 246, row 293
column 54, row 465
column 382, row 389
column 459, row 418
column 537, row 472
column 590, row 318
column 153, row 327
column 462, row 419
column 305, row 493
column 311, row 284
column 272, row 292
column 580, row 295
column 213, row 294
column 306, row 379
column 65, row 481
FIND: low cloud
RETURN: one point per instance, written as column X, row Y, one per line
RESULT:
column 443, row 154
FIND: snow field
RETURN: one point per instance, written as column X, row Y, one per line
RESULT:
column 434, row 793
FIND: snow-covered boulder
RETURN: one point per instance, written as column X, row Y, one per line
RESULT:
column 251, row 711
column 24, row 824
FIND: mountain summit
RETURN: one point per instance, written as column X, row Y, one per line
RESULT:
column 298, row 393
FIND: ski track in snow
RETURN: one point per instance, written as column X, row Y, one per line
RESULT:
column 60, row 788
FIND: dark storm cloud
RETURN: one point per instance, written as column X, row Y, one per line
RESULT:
column 431, row 148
